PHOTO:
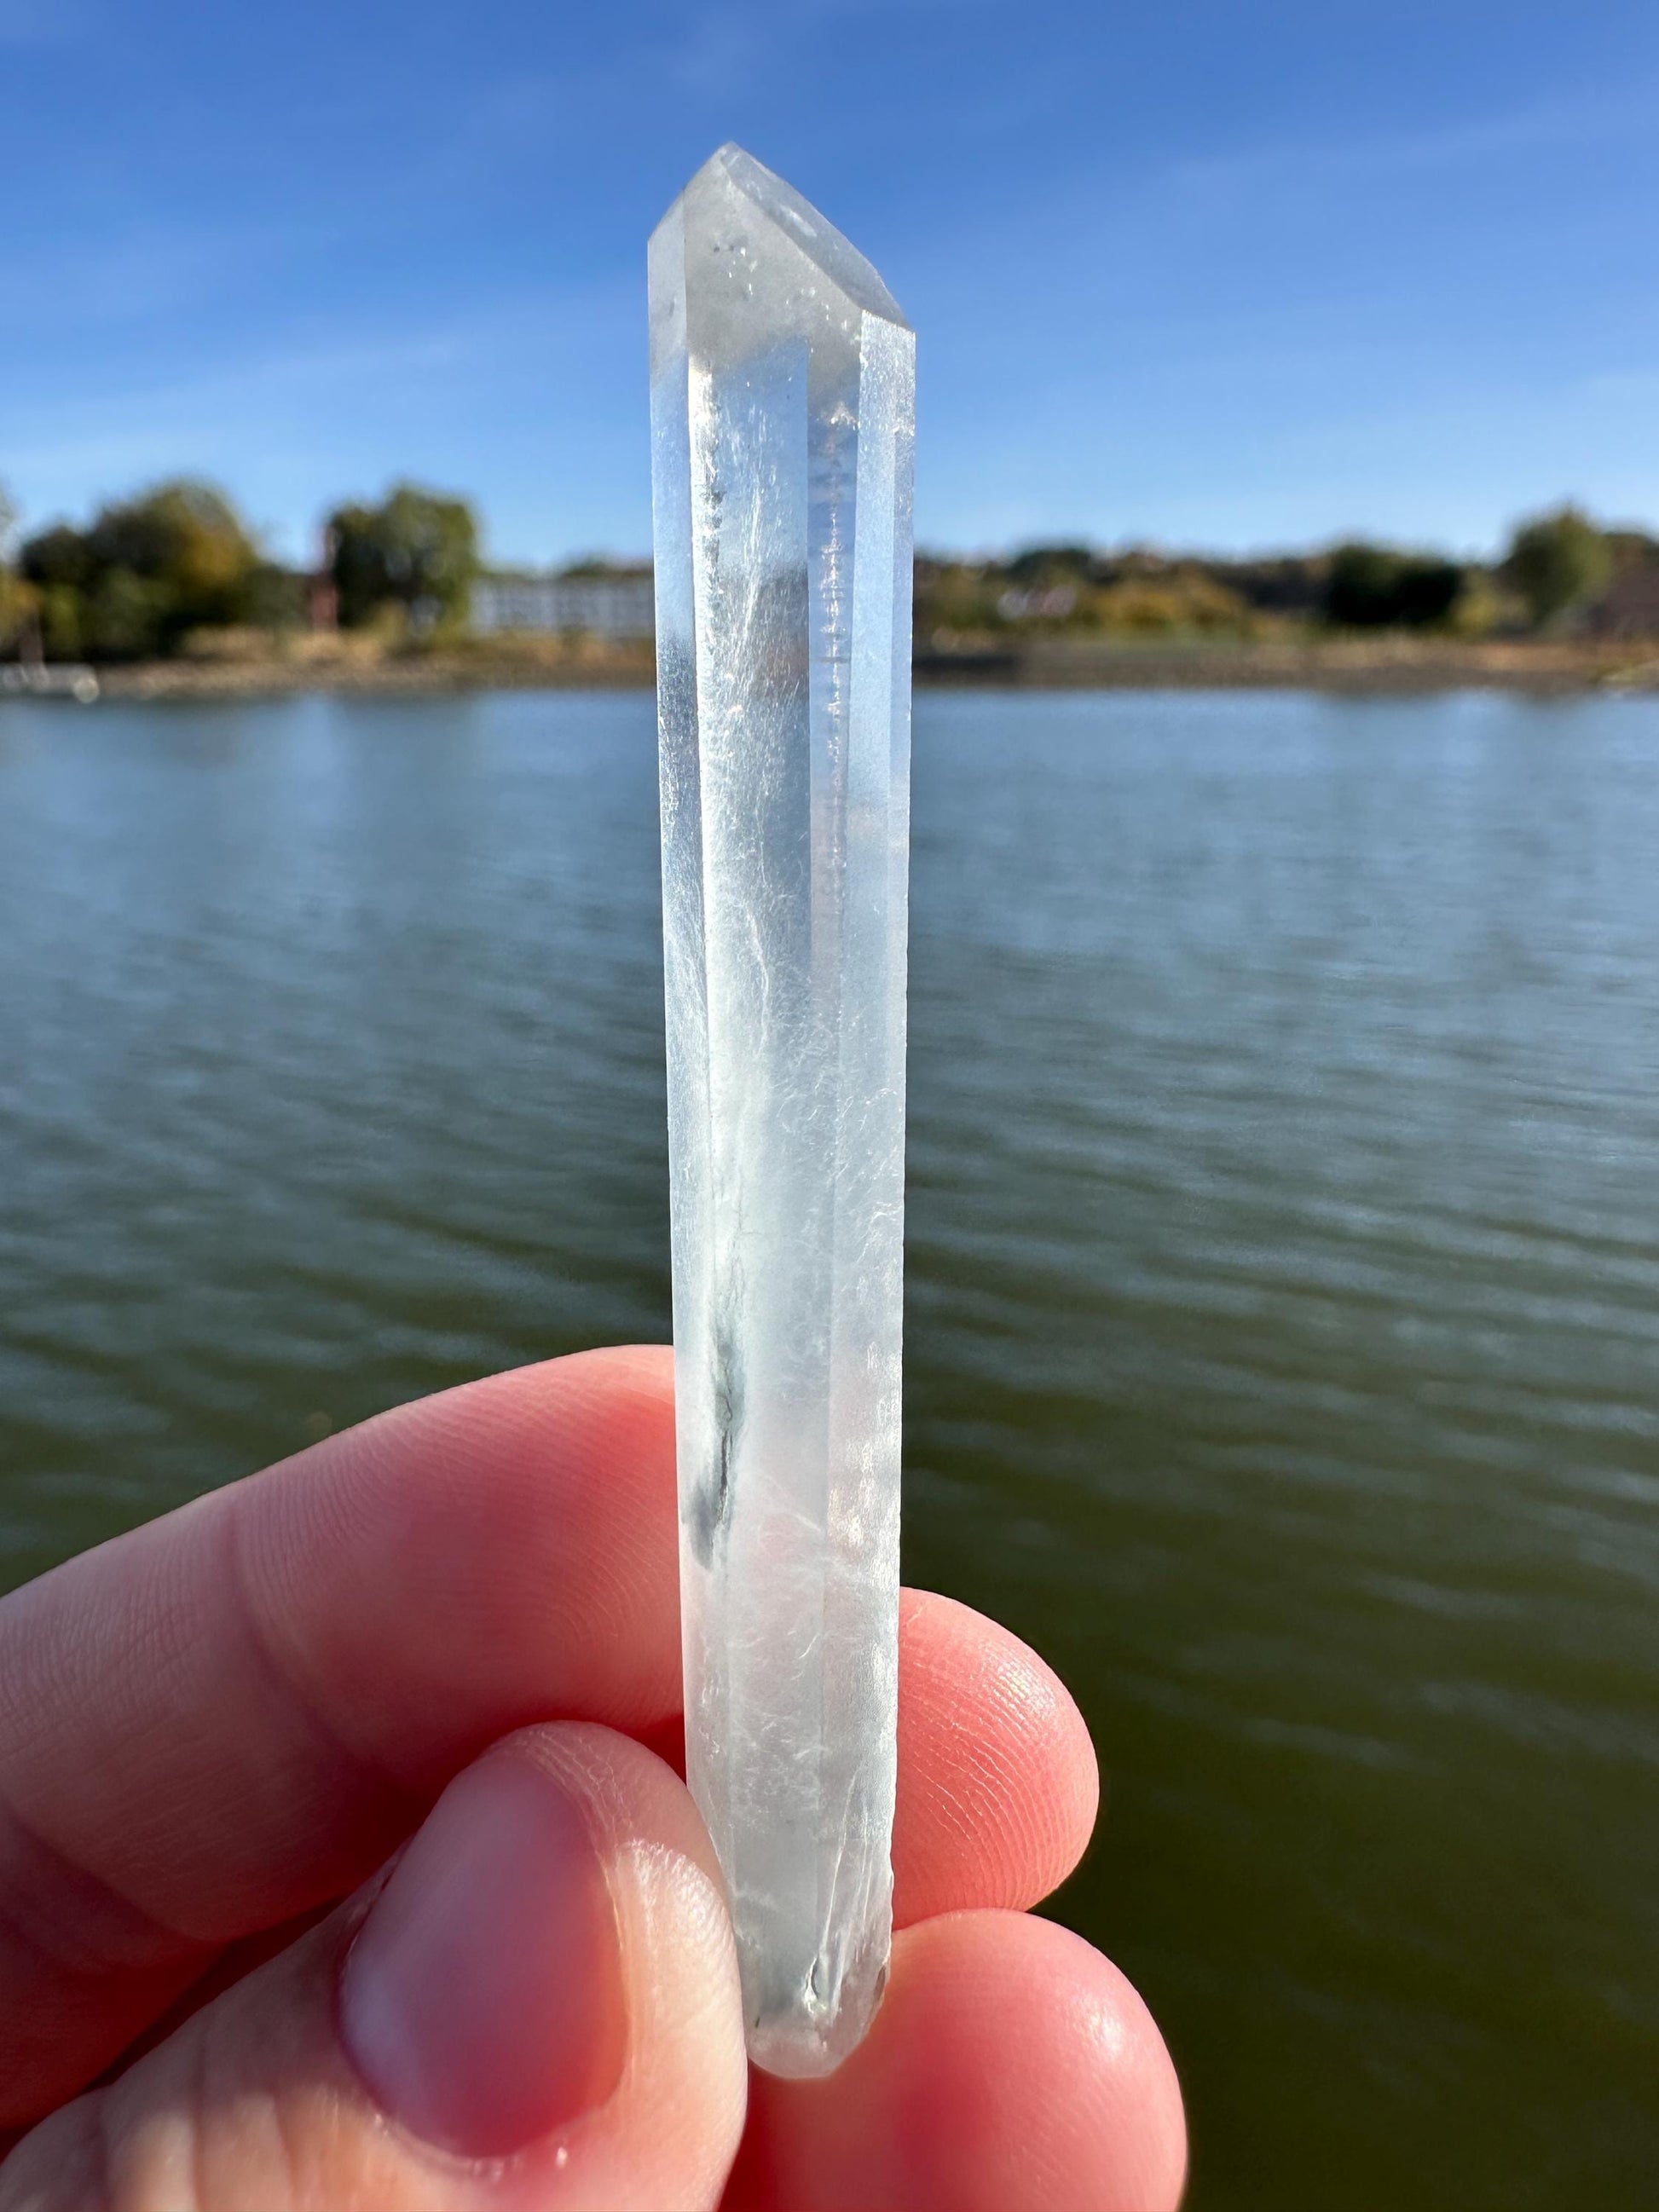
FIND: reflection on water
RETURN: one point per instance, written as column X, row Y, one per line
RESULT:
column 1284, row 1289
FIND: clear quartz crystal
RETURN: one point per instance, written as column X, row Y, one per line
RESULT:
column 782, row 426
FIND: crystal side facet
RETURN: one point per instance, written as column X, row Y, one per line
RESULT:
column 782, row 425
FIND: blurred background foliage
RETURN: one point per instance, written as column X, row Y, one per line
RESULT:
column 144, row 574
column 171, row 569
column 416, row 552
column 1550, row 578
column 150, row 575
column 1561, row 560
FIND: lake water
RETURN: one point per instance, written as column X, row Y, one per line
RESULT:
column 1284, row 1321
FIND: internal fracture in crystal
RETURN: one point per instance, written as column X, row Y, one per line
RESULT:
column 782, row 423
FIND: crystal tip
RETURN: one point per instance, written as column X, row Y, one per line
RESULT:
column 729, row 168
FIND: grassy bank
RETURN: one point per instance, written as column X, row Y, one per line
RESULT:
column 355, row 663
column 1375, row 663
column 1381, row 661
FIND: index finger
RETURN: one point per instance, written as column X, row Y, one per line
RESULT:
column 218, row 1721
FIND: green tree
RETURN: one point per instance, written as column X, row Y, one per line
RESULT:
column 186, row 539
column 418, row 550
column 1051, row 564
column 63, row 622
column 1375, row 587
column 1182, row 598
column 127, row 617
column 1556, row 562
column 144, row 572
column 59, row 558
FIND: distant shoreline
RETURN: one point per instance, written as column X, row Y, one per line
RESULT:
column 1358, row 664
column 1388, row 662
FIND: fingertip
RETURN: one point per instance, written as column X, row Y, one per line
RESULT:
column 483, row 1998
column 998, row 1785
column 669, row 2133
column 551, row 1954
column 1012, row 2068
column 537, row 2004
column 629, row 1380
column 541, row 1502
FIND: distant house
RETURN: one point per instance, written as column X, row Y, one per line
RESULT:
column 1052, row 603
column 1629, row 608
column 614, row 604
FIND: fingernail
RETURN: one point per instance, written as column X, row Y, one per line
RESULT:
column 482, row 1999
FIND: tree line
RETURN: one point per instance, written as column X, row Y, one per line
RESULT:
column 146, row 573
column 1549, row 575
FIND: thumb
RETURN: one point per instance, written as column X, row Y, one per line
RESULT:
column 535, row 2010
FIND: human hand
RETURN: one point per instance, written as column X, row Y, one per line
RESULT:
column 457, row 1624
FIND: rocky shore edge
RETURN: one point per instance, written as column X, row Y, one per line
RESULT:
column 1391, row 664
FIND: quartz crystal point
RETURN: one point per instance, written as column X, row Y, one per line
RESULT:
column 782, row 424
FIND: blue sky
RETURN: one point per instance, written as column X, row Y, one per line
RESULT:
column 1229, row 273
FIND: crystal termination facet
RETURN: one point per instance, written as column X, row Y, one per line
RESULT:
column 782, row 426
